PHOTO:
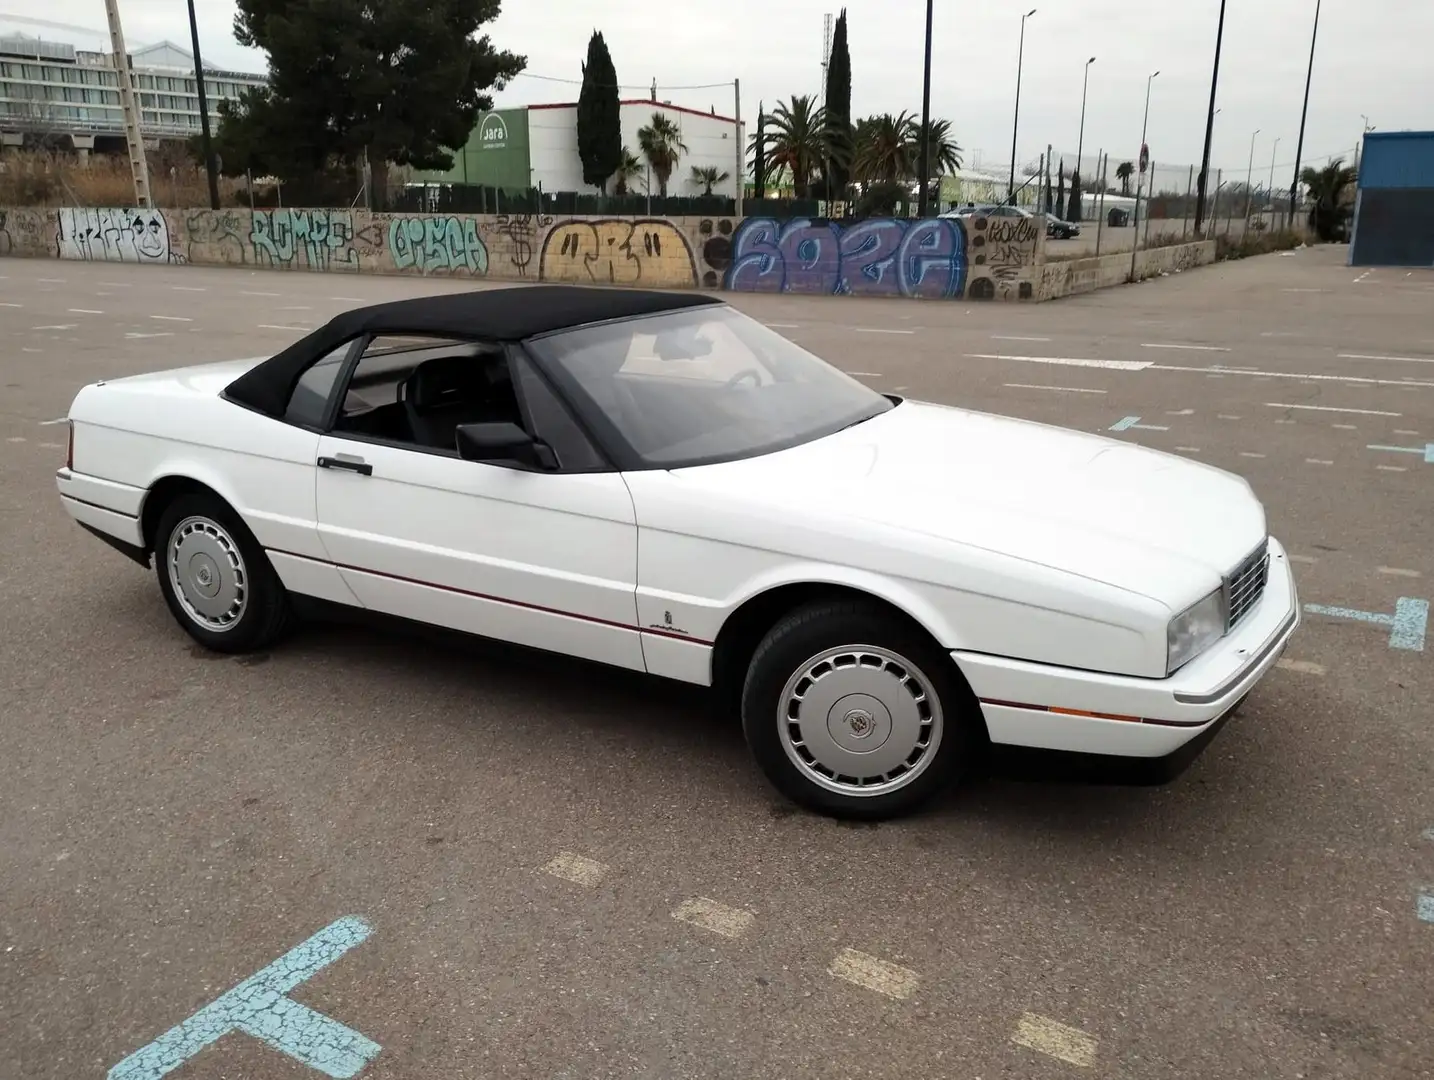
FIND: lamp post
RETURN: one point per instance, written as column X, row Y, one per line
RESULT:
column 1140, row 179
column 1015, row 123
column 1209, row 123
column 1080, row 140
column 1249, row 173
column 1304, row 112
column 208, row 146
column 926, row 119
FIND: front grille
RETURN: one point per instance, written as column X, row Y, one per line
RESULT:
column 1245, row 584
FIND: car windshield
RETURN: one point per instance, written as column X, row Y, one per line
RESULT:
column 703, row 385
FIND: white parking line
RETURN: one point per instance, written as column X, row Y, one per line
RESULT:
column 1189, row 449
column 360, row 300
column 1395, row 571
column 1317, row 461
column 1391, row 468
column 1225, row 416
column 879, row 330
column 1249, row 453
column 1404, row 431
column 188, row 288
column 16, row 438
column 1060, row 389
column 871, row 973
column 1192, row 348
column 1057, row 1040
column 577, row 869
column 1066, row 361
column 1016, row 337
column 83, row 311
column 243, row 292
column 171, row 318
column 51, row 280
column 866, row 374
column 56, row 326
column 1304, row 667
column 1402, row 359
column 1346, row 427
column 294, row 329
column 52, row 423
column 114, row 284
column 12, row 305
column 1303, row 558
column 730, row 922
column 134, row 335
column 1329, row 408
column 1357, row 379
column 773, row 325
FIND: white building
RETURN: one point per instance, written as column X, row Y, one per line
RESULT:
column 712, row 140
column 50, row 87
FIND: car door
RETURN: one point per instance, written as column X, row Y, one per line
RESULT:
column 541, row 558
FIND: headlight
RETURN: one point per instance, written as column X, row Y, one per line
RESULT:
column 1193, row 631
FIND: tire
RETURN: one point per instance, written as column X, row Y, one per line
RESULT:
column 216, row 579
column 848, row 671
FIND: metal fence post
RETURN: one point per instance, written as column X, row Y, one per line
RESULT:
column 1104, row 159
column 1185, row 210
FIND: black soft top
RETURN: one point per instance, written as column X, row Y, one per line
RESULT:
column 513, row 314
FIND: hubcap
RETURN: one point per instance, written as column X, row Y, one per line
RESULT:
column 859, row 720
column 207, row 573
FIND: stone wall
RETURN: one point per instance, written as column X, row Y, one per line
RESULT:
column 975, row 259
column 1070, row 277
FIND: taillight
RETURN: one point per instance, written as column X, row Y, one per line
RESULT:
column 70, row 445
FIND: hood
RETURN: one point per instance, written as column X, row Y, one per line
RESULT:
column 1137, row 519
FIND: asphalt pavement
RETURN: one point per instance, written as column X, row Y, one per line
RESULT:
column 425, row 857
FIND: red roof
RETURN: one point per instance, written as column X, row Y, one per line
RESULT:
column 644, row 101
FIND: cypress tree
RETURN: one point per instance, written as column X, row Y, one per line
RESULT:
column 1073, row 202
column 838, row 134
column 1061, row 191
column 599, row 116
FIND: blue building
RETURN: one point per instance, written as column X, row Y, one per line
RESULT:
column 1394, row 204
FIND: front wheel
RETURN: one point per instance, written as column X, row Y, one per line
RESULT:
column 852, row 713
column 215, row 577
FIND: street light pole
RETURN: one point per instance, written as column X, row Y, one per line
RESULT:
column 208, row 145
column 926, row 120
column 1015, row 123
column 1209, row 123
column 1249, row 173
column 1080, row 140
column 1304, row 112
column 1140, row 180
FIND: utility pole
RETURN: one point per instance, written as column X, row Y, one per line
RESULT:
column 139, row 168
column 1016, row 121
column 1304, row 112
column 922, row 202
column 208, row 145
column 1080, row 140
column 1209, row 123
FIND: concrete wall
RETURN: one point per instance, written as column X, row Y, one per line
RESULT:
column 977, row 259
column 1070, row 277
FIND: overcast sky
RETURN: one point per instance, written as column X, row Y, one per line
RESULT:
column 1373, row 58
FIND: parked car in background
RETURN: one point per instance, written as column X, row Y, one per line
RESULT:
column 1060, row 229
column 656, row 481
column 988, row 210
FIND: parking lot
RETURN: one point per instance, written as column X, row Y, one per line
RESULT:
column 495, row 864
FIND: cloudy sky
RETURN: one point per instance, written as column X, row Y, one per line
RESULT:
column 1373, row 58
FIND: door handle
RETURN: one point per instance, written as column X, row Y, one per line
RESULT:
column 352, row 464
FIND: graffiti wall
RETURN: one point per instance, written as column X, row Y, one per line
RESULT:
column 943, row 258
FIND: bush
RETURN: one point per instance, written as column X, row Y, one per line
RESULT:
column 1257, row 243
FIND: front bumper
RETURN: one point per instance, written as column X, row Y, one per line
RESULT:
column 1054, row 708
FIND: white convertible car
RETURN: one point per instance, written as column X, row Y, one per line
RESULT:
column 659, row 482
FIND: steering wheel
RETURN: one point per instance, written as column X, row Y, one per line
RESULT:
column 752, row 373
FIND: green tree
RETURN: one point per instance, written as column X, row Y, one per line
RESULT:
column 838, row 133
column 1073, row 208
column 599, row 116
column 401, row 82
column 1123, row 172
column 887, row 148
column 628, row 169
column 661, row 143
column 1327, row 186
column 706, row 176
column 758, row 151
column 796, row 140
column 1061, row 190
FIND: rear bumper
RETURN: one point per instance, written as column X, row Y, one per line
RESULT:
column 108, row 509
column 1053, row 708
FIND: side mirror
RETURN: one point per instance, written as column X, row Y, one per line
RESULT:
column 503, row 442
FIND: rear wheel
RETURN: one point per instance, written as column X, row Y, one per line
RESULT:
column 215, row 577
column 853, row 713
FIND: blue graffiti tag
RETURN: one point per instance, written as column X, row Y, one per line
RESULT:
column 1407, row 624
column 881, row 257
column 258, row 1007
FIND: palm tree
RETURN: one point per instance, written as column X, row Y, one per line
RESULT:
column 887, row 148
column 945, row 154
column 1123, row 172
column 627, row 170
column 706, row 176
column 1327, row 187
column 795, row 139
column 661, row 143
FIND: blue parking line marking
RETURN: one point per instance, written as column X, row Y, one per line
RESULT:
column 258, row 1007
column 1125, row 422
column 1427, row 450
column 1407, row 626
column 1424, row 907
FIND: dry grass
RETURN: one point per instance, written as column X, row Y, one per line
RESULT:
column 1257, row 243
column 40, row 178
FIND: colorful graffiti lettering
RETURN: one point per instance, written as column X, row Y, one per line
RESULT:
column 649, row 251
column 881, row 257
column 112, row 235
column 299, row 239
column 434, row 245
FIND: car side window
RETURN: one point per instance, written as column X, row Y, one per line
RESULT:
column 552, row 422
column 309, row 403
